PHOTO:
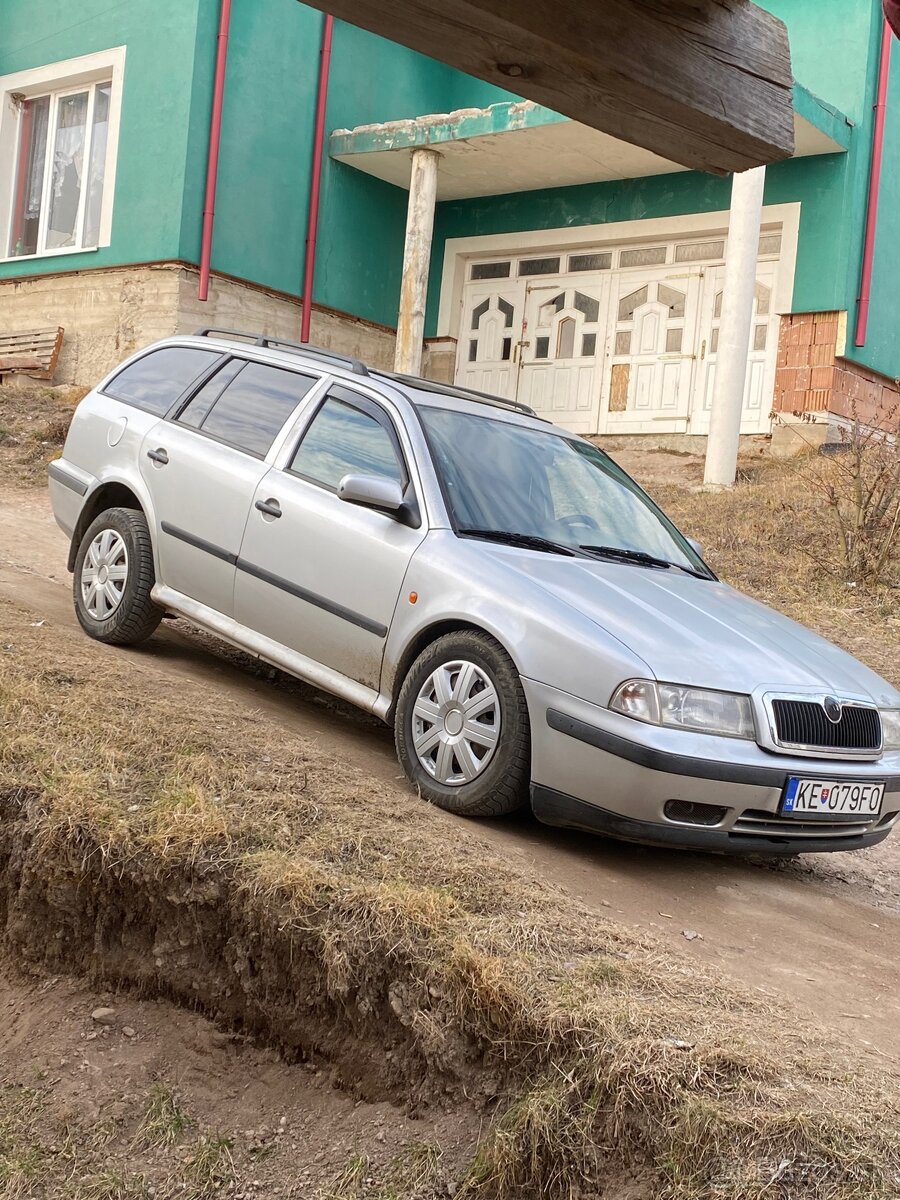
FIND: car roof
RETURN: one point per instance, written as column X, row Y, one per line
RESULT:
column 415, row 388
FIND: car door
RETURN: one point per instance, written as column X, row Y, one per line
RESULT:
column 202, row 468
column 317, row 574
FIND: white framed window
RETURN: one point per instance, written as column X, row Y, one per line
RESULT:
column 59, row 130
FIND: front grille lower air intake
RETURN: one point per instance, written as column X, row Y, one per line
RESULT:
column 805, row 723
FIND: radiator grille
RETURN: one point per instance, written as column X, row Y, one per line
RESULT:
column 804, row 723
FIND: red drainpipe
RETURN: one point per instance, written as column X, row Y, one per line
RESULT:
column 868, row 262
column 215, row 138
column 315, row 183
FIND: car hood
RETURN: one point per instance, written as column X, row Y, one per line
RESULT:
column 700, row 632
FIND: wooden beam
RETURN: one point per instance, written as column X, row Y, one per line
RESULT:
column 705, row 83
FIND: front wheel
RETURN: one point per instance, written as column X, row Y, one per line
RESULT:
column 113, row 579
column 461, row 727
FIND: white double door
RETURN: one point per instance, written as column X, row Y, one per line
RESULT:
column 618, row 352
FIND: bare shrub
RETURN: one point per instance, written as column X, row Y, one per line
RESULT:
column 860, row 483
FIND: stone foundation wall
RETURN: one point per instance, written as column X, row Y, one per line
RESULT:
column 108, row 314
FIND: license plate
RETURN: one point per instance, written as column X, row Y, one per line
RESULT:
column 831, row 798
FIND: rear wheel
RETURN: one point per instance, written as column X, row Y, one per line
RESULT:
column 461, row 727
column 113, row 578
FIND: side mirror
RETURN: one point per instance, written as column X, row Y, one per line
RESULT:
column 372, row 491
column 696, row 546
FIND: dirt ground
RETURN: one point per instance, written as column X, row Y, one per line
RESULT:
column 152, row 1100
column 818, row 933
column 841, row 909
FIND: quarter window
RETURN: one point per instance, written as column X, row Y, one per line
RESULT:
column 250, row 412
column 344, row 440
column 155, row 381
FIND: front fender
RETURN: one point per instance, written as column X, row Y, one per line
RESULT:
column 460, row 582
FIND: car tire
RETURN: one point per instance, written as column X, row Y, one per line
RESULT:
column 475, row 766
column 116, row 556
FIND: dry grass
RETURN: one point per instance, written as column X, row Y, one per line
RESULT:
column 34, row 420
column 294, row 895
column 44, row 1156
column 164, row 1122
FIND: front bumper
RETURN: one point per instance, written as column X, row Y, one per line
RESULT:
column 594, row 769
column 555, row 808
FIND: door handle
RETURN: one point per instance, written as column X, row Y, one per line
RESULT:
column 158, row 456
column 271, row 508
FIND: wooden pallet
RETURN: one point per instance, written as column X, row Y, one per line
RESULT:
column 34, row 352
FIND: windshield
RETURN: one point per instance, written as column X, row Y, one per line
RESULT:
column 510, row 479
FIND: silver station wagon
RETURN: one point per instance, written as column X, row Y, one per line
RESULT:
column 533, row 626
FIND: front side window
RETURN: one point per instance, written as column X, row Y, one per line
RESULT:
column 155, row 381
column 59, row 170
column 511, row 479
column 344, row 440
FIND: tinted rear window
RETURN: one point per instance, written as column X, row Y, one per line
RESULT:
column 156, row 381
column 251, row 411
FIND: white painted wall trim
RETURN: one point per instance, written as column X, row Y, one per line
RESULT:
column 69, row 73
column 459, row 251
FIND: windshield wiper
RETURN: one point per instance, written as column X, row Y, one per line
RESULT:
column 527, row 541
column 639, row 557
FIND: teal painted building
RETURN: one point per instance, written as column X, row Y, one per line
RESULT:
column 576, row 272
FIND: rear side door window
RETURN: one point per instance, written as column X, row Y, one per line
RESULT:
column 158, row 379
column 349, row 435
column 246, row 404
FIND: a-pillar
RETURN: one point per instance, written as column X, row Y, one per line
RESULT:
column 416, row 259
column 734, row 330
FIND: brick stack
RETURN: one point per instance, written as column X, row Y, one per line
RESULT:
column 813, row 377
column 807, row 350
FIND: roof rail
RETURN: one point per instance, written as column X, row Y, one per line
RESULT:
column 461, row 393
column 260, row 339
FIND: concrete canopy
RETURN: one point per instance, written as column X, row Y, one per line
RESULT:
column 706, row 83
column 517, row 147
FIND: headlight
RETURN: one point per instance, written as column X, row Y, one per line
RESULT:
column 890, row 727
column 725, row 713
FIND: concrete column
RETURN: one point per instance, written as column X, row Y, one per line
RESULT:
column 734, row 329
column 416, row 259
